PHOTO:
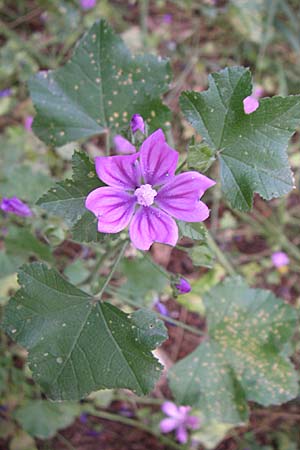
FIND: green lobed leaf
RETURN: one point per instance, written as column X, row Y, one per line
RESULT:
column 67, row 199
column 99, row 88
column 251, row 148
column 77, row 345
column 42, row 419
column 245, row 357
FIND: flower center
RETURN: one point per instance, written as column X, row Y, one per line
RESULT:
column 145, row 195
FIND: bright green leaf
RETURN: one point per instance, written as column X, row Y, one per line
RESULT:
column 100, row 88
column 193, row 230
column 42, row 419
column 21, row 181
column 244, row 358
column 202, row 256
column 251, row 148
column 143, row 280
column 77, row 345
column 200, row 156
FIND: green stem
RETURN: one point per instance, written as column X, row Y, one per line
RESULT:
column 144, row 9
column 265, row 227
column 112, row 271
column 181, row 165
column 220, row 255
column 131, row 302
column 65, row 441
column 139, row 425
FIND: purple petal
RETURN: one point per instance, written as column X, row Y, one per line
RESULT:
column 119, row 171
column 161, row 308
column 158, row 160
column 250, row 104
column 152, row 225
column 5, row 93
column 183, row 286
column 15, row 206
column 181, row 434
column 280, row 259
column 122, row 145
column 192, row 422
column 113, row 208
column 88, row 4
column 170, row 409
column 258, row 92
column 137, row 123
column 28, row 123
column 167, row 425
column 180, row 197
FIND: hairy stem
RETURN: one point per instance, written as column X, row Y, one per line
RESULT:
column 139, row 425
column 112, row 271
column 220, row 255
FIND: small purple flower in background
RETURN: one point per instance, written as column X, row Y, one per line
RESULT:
column 88, row 4
column 144, row 192
column 5, row 93
column 280, row 259
column 251, row 103
column 28, row 123
column 183, row 286
column 167, row 18
column 179, row 421
column 123, row 146
column 161, row 308
column 83, row 417
column 137, row 123
column 16, row 206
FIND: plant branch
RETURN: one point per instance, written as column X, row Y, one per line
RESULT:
column 112, row 271
column 220, row 255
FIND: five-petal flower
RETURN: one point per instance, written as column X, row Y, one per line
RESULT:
column 179, row 420
column 144, row 193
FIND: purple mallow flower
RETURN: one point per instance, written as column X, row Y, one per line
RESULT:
column 183, row 286
column 137, row 123
column 280, row 259
column 179, row 420
column 88, row 4
column 144, row 192
column 123, row 146
column 251, row 103
column 5, row 93
column 16, row 206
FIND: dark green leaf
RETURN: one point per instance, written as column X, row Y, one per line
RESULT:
column 100, row 88
column 77, row 345
column 251, row 148
column 67, row 199
column 244, row 358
